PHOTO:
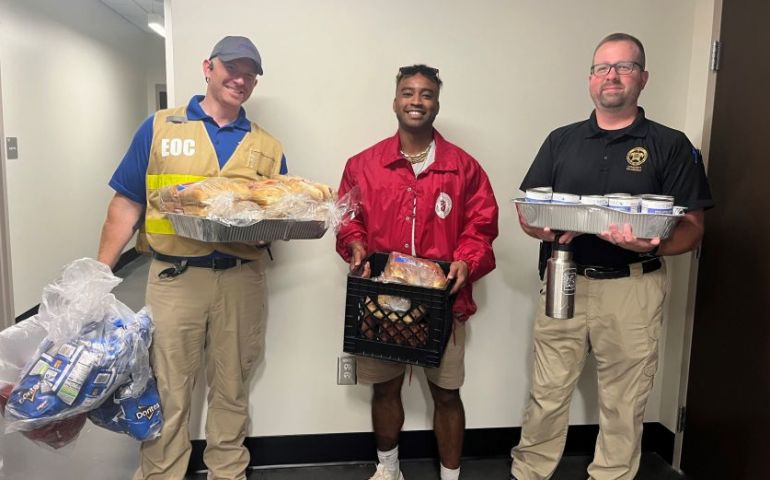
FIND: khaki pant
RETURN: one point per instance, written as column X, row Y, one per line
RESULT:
column 619, row 320
column 224, row 312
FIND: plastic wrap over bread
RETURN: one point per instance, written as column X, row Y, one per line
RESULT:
column 403, row 268
column 409, row 270
column 238, row 202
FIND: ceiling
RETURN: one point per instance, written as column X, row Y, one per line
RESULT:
column 136, row 11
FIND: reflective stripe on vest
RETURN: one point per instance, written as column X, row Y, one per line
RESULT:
column 163, row 226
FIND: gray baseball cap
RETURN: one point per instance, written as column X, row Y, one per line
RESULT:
column 232, row 47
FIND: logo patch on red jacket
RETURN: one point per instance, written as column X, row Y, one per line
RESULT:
column 443, row 205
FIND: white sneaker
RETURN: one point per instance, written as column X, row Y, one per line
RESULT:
column 382, row 474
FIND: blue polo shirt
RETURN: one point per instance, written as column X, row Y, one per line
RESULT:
column 130, row 177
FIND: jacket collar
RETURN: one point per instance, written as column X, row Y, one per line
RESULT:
column 392, row 156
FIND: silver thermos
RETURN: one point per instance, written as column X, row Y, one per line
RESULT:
column 560, row 282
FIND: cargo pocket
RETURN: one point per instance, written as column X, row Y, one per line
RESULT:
column 657, row 295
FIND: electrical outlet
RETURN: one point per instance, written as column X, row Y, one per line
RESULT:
column 346, row 370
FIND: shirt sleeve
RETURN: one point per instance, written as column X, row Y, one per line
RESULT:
column 129, row 178
column 540, row 173
column 354, row 229
column 684, row 176
column 479, row 229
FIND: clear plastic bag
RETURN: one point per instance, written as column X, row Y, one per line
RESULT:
column 17, row 344
column 89, row 344
column 409, row 270
column 343, row 210
column 139, row 416
column 81, row 295
column 56, row 434
column 242, row 203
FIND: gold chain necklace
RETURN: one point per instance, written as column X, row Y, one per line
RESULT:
column 417, row 157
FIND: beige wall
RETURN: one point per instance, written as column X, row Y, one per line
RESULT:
column 75, row 78
column 6, row 293
column 513, row 71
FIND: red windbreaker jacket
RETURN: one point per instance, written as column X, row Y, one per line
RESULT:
column 456, row 214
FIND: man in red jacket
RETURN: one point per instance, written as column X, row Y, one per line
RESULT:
column 423, row 196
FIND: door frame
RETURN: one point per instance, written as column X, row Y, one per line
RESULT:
column 693, row 274
column 6, row 291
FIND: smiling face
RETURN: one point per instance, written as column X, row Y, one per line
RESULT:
column 230, row 83
column 615, row 92
column 416, row 103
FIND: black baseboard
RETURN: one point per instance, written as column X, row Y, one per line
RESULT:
column 127, row 257
column 29, row 313
column 360, row 447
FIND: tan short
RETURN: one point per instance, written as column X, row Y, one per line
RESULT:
column 450, row 375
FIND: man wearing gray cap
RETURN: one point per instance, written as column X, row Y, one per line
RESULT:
column 200, row 294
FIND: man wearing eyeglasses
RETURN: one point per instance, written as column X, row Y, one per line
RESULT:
column 621, row 282
column 423, row 196
column 203, row 295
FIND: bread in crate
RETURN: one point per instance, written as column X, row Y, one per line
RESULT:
column 403, row 314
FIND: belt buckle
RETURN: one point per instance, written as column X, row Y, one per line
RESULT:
column 585, row 273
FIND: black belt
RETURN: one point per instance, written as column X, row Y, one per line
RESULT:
column 212, row 263
column 607, row 273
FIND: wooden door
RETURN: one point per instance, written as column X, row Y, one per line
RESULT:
column 727, row 432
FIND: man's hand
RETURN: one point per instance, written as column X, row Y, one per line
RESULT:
column 546, row 234
column 459, row 272
column 624, row 238
column 357, row 257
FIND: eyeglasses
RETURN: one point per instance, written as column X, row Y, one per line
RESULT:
column 621, row 68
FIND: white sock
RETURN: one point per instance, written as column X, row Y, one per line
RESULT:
column 449, row 474
column 389, row 459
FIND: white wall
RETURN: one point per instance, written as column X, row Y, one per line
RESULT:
column 75, row 78
column 155, row 68
column 6, row 294
column 513, row 71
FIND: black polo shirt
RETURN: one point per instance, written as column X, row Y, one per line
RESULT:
column 645, row 157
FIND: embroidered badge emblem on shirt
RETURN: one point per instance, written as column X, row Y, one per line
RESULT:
column 443, row 205
column 635, row 158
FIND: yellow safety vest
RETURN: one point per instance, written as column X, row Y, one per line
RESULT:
column 182, row 152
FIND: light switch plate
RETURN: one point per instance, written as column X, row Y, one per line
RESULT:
column 11, row 148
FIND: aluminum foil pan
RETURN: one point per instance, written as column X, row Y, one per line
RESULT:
column 594, row 218
column 206, row 230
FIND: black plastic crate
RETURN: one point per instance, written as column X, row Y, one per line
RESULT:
column 372, row 331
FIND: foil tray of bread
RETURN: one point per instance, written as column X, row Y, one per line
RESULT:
column 206, row 230
column 594, row 218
